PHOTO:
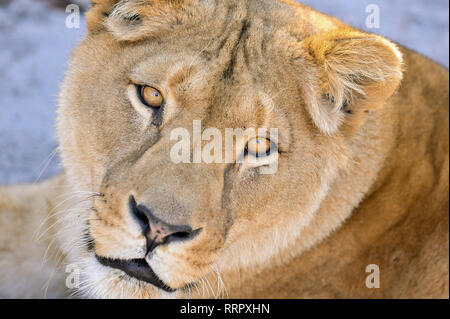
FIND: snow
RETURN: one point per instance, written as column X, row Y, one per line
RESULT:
column 35, row 46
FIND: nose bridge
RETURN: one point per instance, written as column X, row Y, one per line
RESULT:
column 179, row 193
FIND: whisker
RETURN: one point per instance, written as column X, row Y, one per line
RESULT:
column 46, row 162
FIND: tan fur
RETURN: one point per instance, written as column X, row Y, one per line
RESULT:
column 362, row 177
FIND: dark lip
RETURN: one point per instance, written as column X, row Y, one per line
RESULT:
column 136, row 268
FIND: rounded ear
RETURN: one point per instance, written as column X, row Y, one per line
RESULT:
column 99, row 11
column 133, row 20
column 356, row 72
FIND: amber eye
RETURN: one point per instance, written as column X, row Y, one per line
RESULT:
column 150, row 96
column 259, row 146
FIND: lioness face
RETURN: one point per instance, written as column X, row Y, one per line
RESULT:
column 156, row 227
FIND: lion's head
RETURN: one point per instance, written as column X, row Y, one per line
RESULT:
column 155, row 226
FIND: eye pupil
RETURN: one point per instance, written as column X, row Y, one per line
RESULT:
column 151, row 96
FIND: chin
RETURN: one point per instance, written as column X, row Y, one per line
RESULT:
column 102, row 282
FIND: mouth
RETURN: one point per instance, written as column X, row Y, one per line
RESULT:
column 136, row 268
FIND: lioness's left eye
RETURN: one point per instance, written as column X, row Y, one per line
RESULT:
column 259, row 146
column 150, row 96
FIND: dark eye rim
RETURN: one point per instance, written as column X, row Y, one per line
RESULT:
column 139, row 91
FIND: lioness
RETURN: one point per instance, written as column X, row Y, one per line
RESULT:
column 358, row 205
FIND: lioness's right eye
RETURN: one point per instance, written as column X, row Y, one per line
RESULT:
column 259, row 147
column 150, row 96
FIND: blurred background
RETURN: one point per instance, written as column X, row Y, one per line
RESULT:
column 35, row 46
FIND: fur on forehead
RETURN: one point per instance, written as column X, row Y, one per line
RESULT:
column 133, row 20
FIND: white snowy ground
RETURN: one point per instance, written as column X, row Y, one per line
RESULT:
column 35, row 46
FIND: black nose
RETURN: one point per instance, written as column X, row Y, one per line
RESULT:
column 156, row 231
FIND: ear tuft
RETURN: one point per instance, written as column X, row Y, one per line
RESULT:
column 357, row 71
